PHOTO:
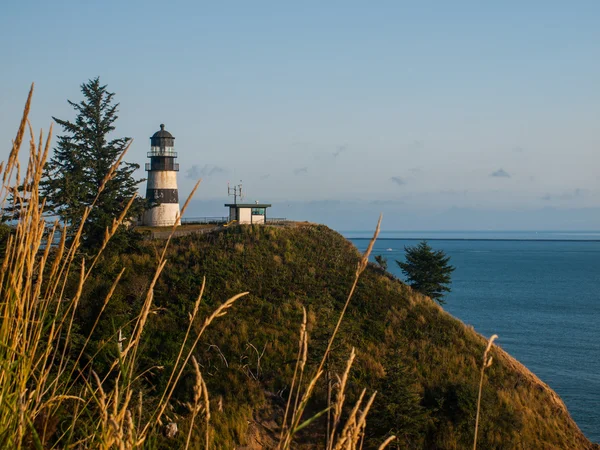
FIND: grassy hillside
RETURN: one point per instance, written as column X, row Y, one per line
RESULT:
column 423, row 363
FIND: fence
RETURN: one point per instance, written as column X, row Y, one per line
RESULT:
column 276, row 220
column 210, row 220
column 221, row 220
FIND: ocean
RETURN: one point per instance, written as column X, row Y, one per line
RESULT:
column 539, row 291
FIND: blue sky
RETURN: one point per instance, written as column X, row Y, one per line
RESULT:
column 425, row 111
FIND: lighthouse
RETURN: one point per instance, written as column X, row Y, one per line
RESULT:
column 161, row 189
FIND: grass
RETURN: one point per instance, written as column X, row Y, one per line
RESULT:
column 52, row 395
column 193, row 342
column 182, row 227
column 42, row 378
column 487, row 362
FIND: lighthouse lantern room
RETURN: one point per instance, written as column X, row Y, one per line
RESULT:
column 161, row 189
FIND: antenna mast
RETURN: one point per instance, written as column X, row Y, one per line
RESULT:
column 235, row 191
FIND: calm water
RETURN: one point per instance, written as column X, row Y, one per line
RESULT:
column 540, row 292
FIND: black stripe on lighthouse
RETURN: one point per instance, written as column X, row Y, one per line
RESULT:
column 163, row 195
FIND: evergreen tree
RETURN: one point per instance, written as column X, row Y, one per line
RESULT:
column 381, row 262
column 397, row 410
column 427, row 271
column 80, row 163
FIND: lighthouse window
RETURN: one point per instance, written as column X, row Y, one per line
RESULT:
column 258, row 211
column 162, row 151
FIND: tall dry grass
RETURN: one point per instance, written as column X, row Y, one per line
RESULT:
column 41, row 378
column 486, row 362
column 43, row 381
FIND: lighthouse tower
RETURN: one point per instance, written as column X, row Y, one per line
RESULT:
column 162, row 180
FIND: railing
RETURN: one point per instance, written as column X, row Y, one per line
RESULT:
column 169, row 166
column 222, row 220
column 209, row 220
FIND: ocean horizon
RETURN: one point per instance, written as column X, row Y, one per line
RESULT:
column 537, row 290
column 475, row 235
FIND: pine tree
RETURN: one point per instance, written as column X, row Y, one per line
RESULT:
column 401, row 414
column 80, row 163
column 427, row 271
column 381, row 262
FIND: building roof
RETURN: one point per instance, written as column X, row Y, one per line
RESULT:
column 248, row 205
column 162, row 133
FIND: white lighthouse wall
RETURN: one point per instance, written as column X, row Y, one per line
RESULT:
column 162, row 179
column 163, row 215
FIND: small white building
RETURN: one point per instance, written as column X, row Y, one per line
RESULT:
column 248, row 213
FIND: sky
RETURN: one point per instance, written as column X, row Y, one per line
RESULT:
column 440, row 115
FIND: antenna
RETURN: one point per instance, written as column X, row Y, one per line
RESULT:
column 235, row 191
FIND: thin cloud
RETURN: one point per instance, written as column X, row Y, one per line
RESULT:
column 500, row 173
column 302, row 144
column 518, row 149
column 329, row 156
column 399, row 181
column 416, row 145
column 387, row 202
column 569, row 195
column 301, row 171
column 339, row 150
column 265, row 176
column 454, row 192
column 207, row 170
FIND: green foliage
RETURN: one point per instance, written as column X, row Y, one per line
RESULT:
column 381, row 261
column 427, row 271
column 398, row 410
column 81, row 162
column 422, row 361
column 5, row 231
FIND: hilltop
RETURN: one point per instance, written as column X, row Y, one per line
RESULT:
column 423, row 362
